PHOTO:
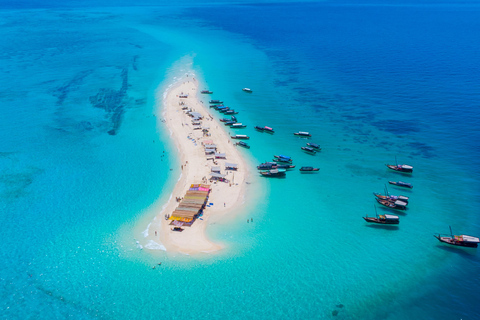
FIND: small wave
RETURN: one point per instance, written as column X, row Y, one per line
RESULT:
column 139, row 246
column 145, row 233
column 152, row 245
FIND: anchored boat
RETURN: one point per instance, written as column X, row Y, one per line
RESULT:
column 273, row 173
column 309, row 169
column 404, row 168
column 302, row 134
column 401, row 184
column 237, row 125
column 242, row 144
column 391, row 197
column 399, row 205
column 314, row 146
column 462, row 240
column 240, row 136
column 383, row 219
column 309, row 150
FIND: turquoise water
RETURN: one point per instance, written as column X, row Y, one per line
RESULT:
column 369, row 82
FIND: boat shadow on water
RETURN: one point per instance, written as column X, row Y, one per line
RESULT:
column 403, row 174
column 467, row 253
column 383, row 226
column 274, row 177
column 402, row 190
column 393, row 211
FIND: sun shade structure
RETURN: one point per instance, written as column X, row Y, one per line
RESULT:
column 216, row 175
column 192, row 204
column 231, row 166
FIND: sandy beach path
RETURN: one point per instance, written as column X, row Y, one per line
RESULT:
column 226, row 197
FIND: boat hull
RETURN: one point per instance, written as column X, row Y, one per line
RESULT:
column 409, row 186
column 452, row 242
column 390, row 204
column 399, row 169
column 380, row 221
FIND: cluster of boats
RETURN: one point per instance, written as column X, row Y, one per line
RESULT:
column 391, row 201
column 279, row 166
column 231, row 122
column 401, row 203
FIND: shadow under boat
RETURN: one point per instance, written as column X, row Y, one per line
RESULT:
column 383, row 226
column 465, row 252
column 391, row 210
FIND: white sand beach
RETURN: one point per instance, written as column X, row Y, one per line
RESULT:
column 225, row 196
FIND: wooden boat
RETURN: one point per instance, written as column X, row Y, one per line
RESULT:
column 302, row 134
column 242, row 144
column 283, row 157
column 314, row 146
column 285, row 166
column 228, row 123
column 273, row 173
column 399, row 205
column 309, row 169
column 220, row 107
column 274, row 165
column 383, row 219
column 238, row 125
column 240, row 137
column 259, row 128
column 233, row 118
column 215, row 102
column 268, row 129
column 231, row 112
column 401, row 184
column 247, row 90
column 462, row 240
column 267, row 166
column 405, row 168
column 309, row 150
column 391, row 197
column 206, row 92
column 282, row 160
column 225, row 120
column 223, row 110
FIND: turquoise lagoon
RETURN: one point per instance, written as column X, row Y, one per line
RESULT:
column 82, row 178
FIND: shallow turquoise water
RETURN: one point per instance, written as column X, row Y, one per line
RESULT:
column 76, row 198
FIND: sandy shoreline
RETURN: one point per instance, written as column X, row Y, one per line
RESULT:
column 226, row 197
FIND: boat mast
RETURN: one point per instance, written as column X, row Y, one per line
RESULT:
column 451, row 233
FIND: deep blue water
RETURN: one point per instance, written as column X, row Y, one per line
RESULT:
column 82, row 160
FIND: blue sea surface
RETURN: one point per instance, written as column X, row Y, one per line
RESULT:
column 84, row 159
